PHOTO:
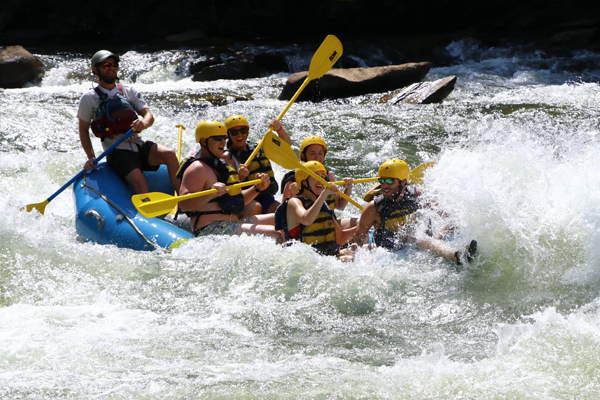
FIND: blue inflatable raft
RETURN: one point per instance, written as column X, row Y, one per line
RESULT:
column 105, row 214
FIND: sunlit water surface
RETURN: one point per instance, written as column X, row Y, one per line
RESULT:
column 518, row 160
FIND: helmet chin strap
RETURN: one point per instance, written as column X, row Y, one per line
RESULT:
column 210, row 152
column 308, row 188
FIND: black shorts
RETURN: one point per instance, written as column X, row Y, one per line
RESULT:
column 125, row 161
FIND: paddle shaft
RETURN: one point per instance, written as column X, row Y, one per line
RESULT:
column 360, row 180
column 181, row 129
column 330, row 50
column 209, row 191
column 96, row 160
column 151, row 208
column 324, row 182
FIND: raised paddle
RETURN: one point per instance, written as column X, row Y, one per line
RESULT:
column 327, row 54
column 42, row 206
column 153, row 204
column 281, row 153
column 181, row 128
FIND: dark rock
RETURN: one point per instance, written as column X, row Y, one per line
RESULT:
column 206, row 61
column 19, row 67
column 239, row 69
column 422, row 92
column 339, row 83
column 272, row 62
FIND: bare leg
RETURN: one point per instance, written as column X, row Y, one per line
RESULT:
column 441, row 248
column 252, row 208
column 264, row 219
column 265, row 230
column 347, row 223
column 137, row 181
column 273, row 207
column 437, row 247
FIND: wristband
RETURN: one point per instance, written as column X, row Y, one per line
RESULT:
column 280, row 128
column 256, row 189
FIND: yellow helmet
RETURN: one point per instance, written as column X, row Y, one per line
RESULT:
column 236, row 120
column 394, row 169
column 301, row 174
column 206, row 129
column 312, row 140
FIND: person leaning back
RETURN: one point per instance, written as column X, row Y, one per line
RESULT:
column 393, row 214
column 111, row 110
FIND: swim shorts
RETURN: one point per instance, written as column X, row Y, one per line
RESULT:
column 125, row 161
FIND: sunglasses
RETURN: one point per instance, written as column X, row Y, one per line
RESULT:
column 107, row 65
column 389, row 181
column 234, row 132
column 219, row 138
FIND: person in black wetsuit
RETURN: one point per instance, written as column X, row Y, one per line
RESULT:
column 393, row 215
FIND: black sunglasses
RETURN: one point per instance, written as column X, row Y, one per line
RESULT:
column 219, row 138
column 389, row 181
column 234, row 132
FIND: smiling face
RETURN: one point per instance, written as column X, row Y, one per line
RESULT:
column 314, row 152
column 238, row 136
column 391, row 191
column 215, row 144
column 316, row 186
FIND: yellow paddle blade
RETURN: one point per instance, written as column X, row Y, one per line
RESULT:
column 278, row 151
column 153, row 204
column 327, row 54
column 416, row 175
column 371, row 193
column 37, row 206
column 281, row 153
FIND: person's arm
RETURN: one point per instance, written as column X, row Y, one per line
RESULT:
column 250, row 194
column 290, row 190
column 281, row 132
column 146, row 121
column 242, row 172
column 340, row 202
column 86, row 143
column 343, row 236
column 304, row 216
column 368, row 218
column 193, row 181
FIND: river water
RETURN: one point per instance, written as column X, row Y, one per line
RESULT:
column 517, row 147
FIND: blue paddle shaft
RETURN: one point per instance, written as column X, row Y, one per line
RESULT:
column 96, row 160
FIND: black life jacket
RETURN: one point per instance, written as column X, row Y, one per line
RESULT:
column 117, row 114
column 260, row 164
column 396, row 218
column 290, row 176
column 225, row 174
column 320, row 234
